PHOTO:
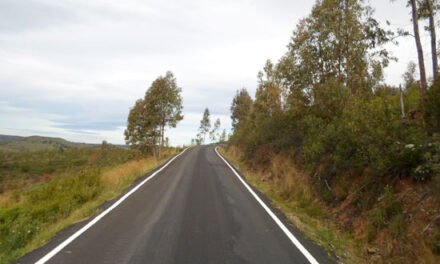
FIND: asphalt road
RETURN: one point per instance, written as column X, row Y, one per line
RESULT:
column 195, row 210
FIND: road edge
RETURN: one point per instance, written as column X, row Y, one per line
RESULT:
column 280, row 224
column 109, row 206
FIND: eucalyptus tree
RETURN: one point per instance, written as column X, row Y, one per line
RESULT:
column 161, row 107
column 205, row 124
column 420, row 56
column 213, row 134
column 223, row 136
column 240, row 108
column 427, row 9
column 343, row 51
column 141, row 132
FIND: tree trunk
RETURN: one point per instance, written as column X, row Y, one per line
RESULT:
column 433, row 39
column 162, row 136
column 423, row 83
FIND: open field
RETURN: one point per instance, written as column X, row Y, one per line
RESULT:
column 42, row 192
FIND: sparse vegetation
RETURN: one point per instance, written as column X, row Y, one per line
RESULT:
column 366, row 150
column 42, row 192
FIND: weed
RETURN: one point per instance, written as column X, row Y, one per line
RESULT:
column 388, row 215
column 371, row 232
column 435, row 246
column 33, row 209
column 397, row 225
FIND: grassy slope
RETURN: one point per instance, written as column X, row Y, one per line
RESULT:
column 44, row 192
column 302, row 211
column 36, row 143
column 391, row 231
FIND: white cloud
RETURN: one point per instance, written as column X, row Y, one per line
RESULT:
column 73, row 68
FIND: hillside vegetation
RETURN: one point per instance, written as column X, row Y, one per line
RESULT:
column 36, row 143
column 42, row 192
column 324, row 135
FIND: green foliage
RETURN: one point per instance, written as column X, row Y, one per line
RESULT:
column 214, row 134
column 36, row 143
column 390, row 208
column 223, row 136
column 371, row 232
column 44, row 204
column 161, row 107
column 389, row 214
column 240, row 108
column 435, row 246
column 18, row 166
column 46, row 187
column 205, row 125
column 432, row 107
column 318, row 100
column 368, row 132
column 373, row 124
column 398, row 225
column 409, row 75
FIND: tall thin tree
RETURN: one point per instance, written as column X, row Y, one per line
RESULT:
column 205, row 124
column 421, row 60
column 427, row 9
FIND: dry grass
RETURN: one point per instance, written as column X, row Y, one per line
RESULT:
column 397, row 229
column 111, row 181
column 7, row 199
column 115, row 180
column 124, row 174
column 289, row 190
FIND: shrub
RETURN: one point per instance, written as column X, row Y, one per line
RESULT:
column 45, row 204
column 432, row 107
column 389, row 213
column 435, row 246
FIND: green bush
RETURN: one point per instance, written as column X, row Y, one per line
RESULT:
column 45, row 204
column 389, row 214
column 432, row 107
column 364, row 135
column 371, row 232
column 435, row 246
column 398, row 225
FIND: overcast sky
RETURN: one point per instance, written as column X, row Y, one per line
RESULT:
column 73, row 68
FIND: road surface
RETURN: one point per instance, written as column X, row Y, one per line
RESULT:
column 195, row 210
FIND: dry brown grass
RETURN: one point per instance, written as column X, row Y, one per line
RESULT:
column 123, row 174
column 112, row 180
column 6, row 199
column 289, row 190
column 342, row 226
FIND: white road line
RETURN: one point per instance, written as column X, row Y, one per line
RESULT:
column 286, row 231
column 66, row 242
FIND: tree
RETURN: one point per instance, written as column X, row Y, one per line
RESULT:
column 161, row 107
column 205, row 124
column 213, row 134
column 409, row 75
column 199, row 139
column 240, row 108
column 423, row 83
column 427, row 9
column 347, row 50
column 223, row 136
column 141, row 132
column 164, row 100
column 268, row 95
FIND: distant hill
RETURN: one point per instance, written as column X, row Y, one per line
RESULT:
column 6, row 138
column 35, row 143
